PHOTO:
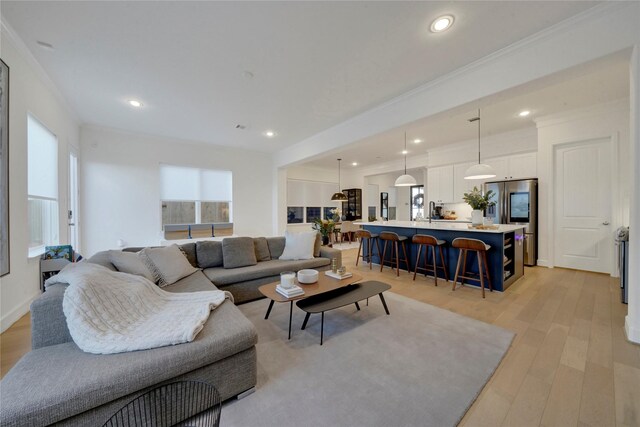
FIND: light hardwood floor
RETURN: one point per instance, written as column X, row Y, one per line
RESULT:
column 569, row 364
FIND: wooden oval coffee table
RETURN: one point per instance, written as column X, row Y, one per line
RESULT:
column 324, row 284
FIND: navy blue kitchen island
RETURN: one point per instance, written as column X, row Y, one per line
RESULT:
column 505, row 258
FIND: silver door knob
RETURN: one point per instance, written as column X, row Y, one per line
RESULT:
column 605, row 223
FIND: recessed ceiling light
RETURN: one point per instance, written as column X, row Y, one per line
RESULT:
column 405, row 152
column 417, row 141
column 442, row 23
column 354, row 164
column 135, row 103
column 524, row 113
column 269, row 133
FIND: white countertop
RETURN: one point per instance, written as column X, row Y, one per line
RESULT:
column 442, row 225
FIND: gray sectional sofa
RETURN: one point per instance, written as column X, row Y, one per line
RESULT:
column 57, row 383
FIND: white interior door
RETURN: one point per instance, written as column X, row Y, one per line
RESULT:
column 583, row 199
column 72, row 214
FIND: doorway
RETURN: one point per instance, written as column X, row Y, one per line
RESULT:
column 72, row 213
column 583, row 198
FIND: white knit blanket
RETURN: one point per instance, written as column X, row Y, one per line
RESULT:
column 112, row 312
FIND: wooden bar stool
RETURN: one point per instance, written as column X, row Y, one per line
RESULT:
column 480, row 248
column 362, row 235
column 389, row 236
column 433, row 243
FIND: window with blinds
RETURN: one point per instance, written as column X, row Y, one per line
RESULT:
column 195, row 196
column 42, row 186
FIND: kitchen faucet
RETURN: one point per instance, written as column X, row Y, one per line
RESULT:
column 432, row 207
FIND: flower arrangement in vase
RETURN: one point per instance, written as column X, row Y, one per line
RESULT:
column 478, row 203
column 325, row 227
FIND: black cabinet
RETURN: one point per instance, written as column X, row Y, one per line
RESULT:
column 352, row 208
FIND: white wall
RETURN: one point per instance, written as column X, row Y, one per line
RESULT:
column 402, row 198
column 30, row 91
column 600, row 121
column 120, row 196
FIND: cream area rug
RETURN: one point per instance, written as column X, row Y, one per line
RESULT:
column 420, row 366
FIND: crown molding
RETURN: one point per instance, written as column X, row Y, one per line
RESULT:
column 27, row 55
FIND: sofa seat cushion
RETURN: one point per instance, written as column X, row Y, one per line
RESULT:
column 195, row 282
column 221, row 277
column 56, row 382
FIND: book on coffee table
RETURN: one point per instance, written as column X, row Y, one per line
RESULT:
column 338, row 275
column 290, row 292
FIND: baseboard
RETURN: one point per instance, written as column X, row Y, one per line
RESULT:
column 633, row 334
column 543, row 263
column 12, row 317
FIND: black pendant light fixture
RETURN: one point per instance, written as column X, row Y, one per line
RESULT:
column 339, row 196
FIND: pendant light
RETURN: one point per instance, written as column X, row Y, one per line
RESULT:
column 481, row 170
column 405, row 180
column 339, row 196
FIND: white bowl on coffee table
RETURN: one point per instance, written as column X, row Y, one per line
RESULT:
column 307, row 276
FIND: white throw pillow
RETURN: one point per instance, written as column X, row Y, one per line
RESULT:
column 132, row 263
column 299, row 245
column 168, row 263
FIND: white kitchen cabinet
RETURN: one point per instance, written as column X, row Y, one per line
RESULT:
column 523, row 166
column 461, row 185
column 440, row 184
column 517, row 166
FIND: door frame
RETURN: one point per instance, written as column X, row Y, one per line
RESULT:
column 72, row 150
column 615, row 201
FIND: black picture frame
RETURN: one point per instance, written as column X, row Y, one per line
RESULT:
column 5, row 264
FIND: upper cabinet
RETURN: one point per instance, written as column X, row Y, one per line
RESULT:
column 517, row 166
column 440, row 184
column 446, row 184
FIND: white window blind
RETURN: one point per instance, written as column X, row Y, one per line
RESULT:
column 185, row 183
column 42, row 161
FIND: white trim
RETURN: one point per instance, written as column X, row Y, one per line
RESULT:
column 633, row 334
column 544, row 263
column 14, row 315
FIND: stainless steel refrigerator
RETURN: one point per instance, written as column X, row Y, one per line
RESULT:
column 517, row 203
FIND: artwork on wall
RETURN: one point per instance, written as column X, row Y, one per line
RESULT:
column 4, row 168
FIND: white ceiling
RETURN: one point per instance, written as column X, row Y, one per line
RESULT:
column 601, row 81
column 314, row 64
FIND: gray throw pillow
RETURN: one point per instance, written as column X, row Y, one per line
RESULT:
column 238, row 252
column 276, row 246
column 132, row 263
column 103, row 258
column 209, row 254
column 189, row 250
column 262, row 249
column 168, row 263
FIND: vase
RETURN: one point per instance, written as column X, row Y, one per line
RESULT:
column 325, row 240
column 476, row 217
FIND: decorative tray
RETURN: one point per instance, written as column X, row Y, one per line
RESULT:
column 484, row 227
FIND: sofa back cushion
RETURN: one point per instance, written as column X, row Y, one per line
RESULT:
column 238, row 252
column 276, row 246
column 209, row 254
column 317, row 245
column 262, row 249
column 189, row 250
